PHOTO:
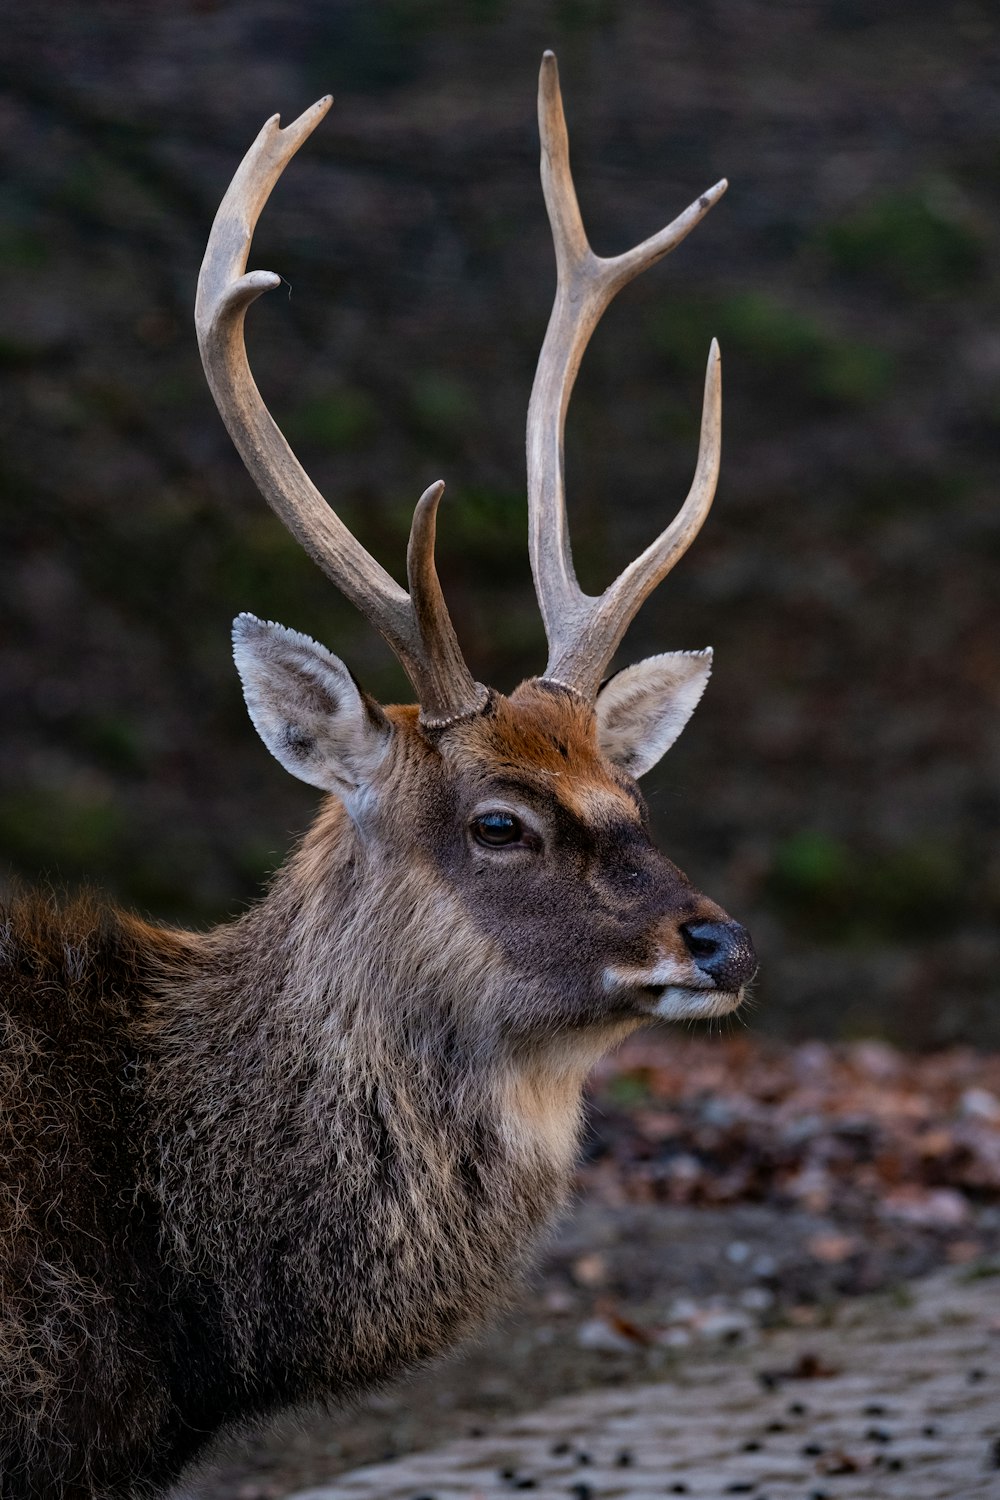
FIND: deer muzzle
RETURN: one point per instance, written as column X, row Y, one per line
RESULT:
column 709, row 980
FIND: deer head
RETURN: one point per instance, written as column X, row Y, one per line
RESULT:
column 521, row 810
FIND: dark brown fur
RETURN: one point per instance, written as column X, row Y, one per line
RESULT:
column 295, row 1155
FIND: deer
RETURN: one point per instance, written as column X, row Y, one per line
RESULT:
column 290, row 1157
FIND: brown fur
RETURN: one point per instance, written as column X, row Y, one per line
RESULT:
column 298, row 1154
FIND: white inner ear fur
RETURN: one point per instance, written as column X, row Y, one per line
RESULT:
column 642, row 710
column 307, row 708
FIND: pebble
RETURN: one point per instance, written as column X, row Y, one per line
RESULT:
column 980, row 1104
column 599, row 1337
column 590, row 1271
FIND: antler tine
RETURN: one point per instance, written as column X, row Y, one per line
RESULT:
column 583, row 632
column 418, row 630
column 445, row 666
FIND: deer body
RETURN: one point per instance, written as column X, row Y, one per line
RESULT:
column 236, row 1224
column 300, row 1153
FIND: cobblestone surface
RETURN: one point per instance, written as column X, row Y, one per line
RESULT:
column 892, row 1400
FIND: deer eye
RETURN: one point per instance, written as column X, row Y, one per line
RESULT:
column 494, row 829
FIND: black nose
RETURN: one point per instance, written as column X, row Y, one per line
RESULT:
column 723, row 951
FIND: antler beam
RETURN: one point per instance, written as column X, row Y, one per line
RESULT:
column 416, row 625
column 584, row 632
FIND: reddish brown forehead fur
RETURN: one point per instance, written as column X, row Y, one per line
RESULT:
column 543, row 736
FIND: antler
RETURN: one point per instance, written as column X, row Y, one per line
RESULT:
column 416, row 624
column 584, row 632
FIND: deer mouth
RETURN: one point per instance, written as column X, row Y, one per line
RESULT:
column 672, row 992
column 676, row 1002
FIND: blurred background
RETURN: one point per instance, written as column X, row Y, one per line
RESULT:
column 837, row 788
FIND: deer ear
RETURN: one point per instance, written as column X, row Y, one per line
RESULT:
column 307, row 708
column 641, row 710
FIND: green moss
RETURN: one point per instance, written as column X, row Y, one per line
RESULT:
column 264, row 569
column 16, row 354
column 344, row 418
column 115, row 741
column 851, row 374
column 776, row 333
column 906, row 490
column 811, row 862
column 775, row 340
column 441, row 406
column 915, row 241
column 23, row 249
column 61, row 828
column 982, row 1270
column 81, row 189
column 490, row 523
column 679, row 329
column 841, row 893
column 917, row 888
column 628, row 1090
column 256, row 861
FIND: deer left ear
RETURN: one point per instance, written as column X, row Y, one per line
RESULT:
column 307, row 708
column 641, row 710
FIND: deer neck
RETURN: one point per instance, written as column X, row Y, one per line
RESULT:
column 311, row 1076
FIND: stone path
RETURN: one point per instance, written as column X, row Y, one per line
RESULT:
column 892, row 1402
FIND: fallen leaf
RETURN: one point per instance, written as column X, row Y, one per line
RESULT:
column 840, row 1463
column 808, row 1366
column 831, row 1249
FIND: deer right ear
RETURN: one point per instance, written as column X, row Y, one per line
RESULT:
column 642, row 709
column 307, row 708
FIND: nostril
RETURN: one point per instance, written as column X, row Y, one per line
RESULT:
column 722, row 950
column 701, row 938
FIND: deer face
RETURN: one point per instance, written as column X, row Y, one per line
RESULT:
column 548, row 843
column 529, row 814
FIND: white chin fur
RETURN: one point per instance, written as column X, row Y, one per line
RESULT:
column 686, row 995
column 679, row 1004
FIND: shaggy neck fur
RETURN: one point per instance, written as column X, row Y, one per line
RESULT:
column 365, row 1142
column 296, row 1157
